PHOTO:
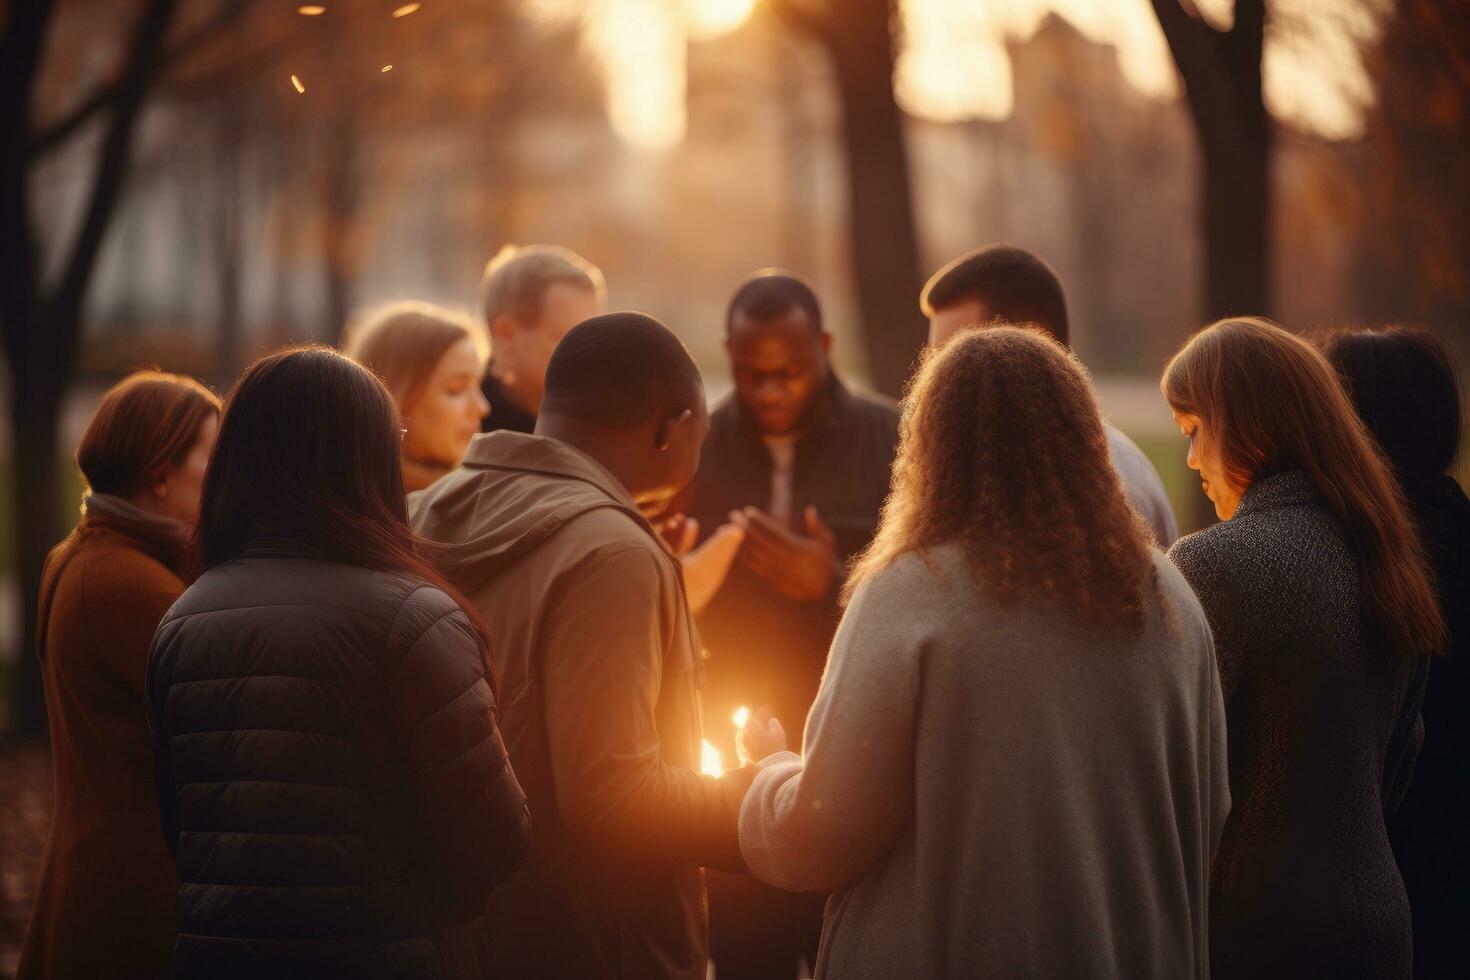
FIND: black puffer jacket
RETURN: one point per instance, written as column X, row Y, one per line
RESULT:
column 330, row 775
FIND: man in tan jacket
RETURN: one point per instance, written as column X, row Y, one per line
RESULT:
column 598, row 660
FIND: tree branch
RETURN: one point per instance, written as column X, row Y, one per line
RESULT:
column 20, row 55
column 65, row 302
column 107, row 93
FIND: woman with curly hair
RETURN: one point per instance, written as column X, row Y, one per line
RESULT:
column 1016, row 762
column 1324, row 619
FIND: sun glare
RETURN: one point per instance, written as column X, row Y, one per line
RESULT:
column 710, row 762
column 706, row 20
column 955, row 58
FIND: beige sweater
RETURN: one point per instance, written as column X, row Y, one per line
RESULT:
column 1002, row 793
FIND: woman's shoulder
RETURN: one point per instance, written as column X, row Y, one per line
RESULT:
column 333, row 588
column 108, row 562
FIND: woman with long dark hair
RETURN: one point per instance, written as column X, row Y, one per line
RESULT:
column 331, row 778
column 1324, row 621
column 105, row 903
column 432, row 360
column 1403, row 385
column 1015, row 765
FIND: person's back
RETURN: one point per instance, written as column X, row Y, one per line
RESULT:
column 294, row 698
column 1324, row 620
column 104, row 903
column 1068, row 786
column 1405, row 388
column 1318, row 722
column 1016, row 764
column 331, row 780
column 598, row 658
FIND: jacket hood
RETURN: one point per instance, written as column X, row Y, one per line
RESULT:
column 512, row 492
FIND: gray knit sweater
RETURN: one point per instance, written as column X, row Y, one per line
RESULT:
column 1002, row 793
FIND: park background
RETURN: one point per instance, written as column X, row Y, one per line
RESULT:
column 188, row 183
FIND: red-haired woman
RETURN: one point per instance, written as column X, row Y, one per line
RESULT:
column 1324, row 621
column 105, row 905
column 1015, row 765
column 432, row 360
column 331, row 780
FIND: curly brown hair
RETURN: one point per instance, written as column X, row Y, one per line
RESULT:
column 1003, row 450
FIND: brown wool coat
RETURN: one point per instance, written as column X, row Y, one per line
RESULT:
column 105, row 905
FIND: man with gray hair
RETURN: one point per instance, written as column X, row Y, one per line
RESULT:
column 530, row 296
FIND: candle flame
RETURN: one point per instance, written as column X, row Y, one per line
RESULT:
column 741, row 716
column 311, row 10
column 297, row 82
column 709, row 759
column 406, row 9
column 387, row 68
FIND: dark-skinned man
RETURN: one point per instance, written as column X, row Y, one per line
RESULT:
column 597, row 659
column 802, row 464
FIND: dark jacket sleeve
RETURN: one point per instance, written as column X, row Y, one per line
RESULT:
column 1407, row 738
column 605, row 658
column 444, row 712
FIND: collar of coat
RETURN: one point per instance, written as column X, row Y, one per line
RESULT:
column 1289, row 488
column 822, row 417
column 517, row 451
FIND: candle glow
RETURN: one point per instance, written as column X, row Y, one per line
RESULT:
column 297, row 82
column 709, row 759
column 741, row 716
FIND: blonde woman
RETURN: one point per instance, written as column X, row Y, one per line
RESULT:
column 432, row 360
column 1015, row 765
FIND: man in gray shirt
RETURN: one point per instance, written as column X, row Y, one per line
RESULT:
column 1011, row 285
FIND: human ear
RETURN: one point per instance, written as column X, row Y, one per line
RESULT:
column 669, row 426
column 826, row 343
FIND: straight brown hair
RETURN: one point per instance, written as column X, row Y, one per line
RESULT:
column 1271, row 402
column 403, row 342
column 145, row 425
column 308, row 455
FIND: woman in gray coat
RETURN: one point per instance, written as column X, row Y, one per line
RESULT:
column 1015, row 765
column 1324, row 620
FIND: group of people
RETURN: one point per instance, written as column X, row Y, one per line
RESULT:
column 403, row 661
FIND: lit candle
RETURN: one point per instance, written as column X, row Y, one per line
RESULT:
column 741, row 716
column 709, row 759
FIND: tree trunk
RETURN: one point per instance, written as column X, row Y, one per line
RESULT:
column 35, row 411
column 1236, row 176
column 884, row 244
column 885, row 249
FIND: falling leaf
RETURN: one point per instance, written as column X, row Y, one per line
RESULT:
column 311, row 10
column 297, row 82
column 406, row 9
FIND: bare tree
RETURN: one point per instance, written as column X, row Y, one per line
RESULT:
column 858, row 35
column 40, row 321
column 1222, row 82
